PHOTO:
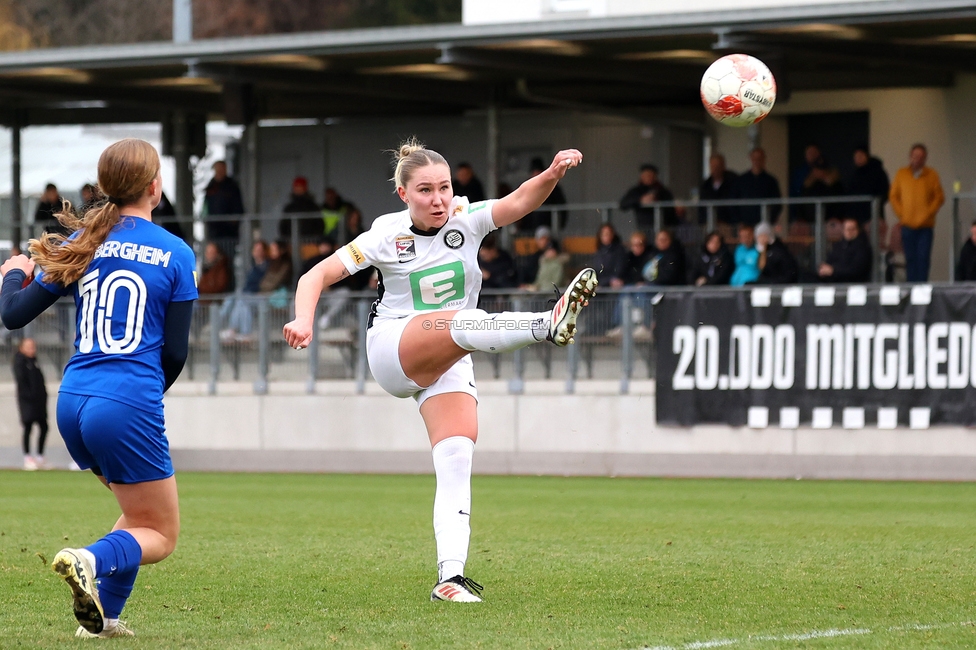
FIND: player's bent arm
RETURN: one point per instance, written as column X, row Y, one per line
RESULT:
column 176, row 340
column 531, row 194
column 18, row 307
column 298, row 333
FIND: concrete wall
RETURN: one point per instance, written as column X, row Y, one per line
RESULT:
column 544, row 431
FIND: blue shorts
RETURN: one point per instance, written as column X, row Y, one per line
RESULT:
column 122, row 443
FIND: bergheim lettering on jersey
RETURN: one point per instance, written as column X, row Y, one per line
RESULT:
column 851, row 357
column 134, row 252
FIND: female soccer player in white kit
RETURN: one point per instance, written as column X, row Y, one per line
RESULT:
column 425, row 322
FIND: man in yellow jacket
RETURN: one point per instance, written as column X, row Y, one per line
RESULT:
column 916, row 196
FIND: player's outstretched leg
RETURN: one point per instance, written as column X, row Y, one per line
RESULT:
column 562, row 327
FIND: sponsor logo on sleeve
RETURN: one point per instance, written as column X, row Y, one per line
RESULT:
column 406, row 248
column 354, row 252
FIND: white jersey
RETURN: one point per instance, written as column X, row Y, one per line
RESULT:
column 423, row 271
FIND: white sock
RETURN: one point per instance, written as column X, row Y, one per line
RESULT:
column 476, row 329
column 452, row 504
column 108, row 624
column 88, row 555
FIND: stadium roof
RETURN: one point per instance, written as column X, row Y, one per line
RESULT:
column 627, row 64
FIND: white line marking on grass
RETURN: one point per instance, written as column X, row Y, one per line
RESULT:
column 806, row 636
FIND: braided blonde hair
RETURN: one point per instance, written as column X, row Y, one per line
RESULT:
column 410, row 156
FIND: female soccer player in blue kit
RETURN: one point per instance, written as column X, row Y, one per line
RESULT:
column 133, row 285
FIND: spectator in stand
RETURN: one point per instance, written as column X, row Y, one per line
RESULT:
column 746, row 258
column 467, row 184
column 916, row 196
column 966, row 267
column 538, row 218
column 869, row 178
column 637, row 258
column 236, row 310
column 166, row 213
column 610, row 259
column 354, row 225
column 222, row 198
column 850, row 258
column 642, row 197
column 215, row 276
column 822, row 181
column 720, row 185
column 551, row 268
column 811, row 154
column 334, row 210
column 497, row 266
column 528, row 265
column 325, row 246
column 45, row 217
column 776, row 264
column 31, row 401
column 301, row 202
column 90, row 195
column 757, row 183
column 666, row 267
column 278, row 275
column 714, row 264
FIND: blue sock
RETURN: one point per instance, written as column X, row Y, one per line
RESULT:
column 117, row 558
column 117, row 552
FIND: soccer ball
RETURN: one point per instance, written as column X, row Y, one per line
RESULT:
column 738, row 90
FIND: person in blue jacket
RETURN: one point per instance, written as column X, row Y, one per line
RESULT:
column 133, row 285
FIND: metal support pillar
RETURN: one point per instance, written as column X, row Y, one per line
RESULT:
column 17, row 216
column 182, row 21
column 184, row 177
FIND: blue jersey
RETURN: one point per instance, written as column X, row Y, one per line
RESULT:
column 121, row 303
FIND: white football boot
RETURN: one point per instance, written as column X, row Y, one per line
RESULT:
column 78, row 572
column 119, row 630
column 562, row 324
column 457, row 589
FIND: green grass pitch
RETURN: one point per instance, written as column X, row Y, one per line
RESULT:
column 323, row 561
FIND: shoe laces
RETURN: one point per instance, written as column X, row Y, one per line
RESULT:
column 467, row 583
column 559, row 294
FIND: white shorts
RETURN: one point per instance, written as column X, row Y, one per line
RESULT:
column 383, row 354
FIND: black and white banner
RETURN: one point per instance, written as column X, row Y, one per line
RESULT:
column 877, row 356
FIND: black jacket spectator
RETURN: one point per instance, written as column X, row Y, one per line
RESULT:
column 166, row 213
column 31, row 391
column 497, row 266
column 781, row 266
column 966, row 267
column 720, row 185
column 645, row 214
column 714, row 268
column 310, row 225
column 666, row 268
column 610, row 259
column 50, row 205
column 757, row 186
column 869, row 178
column 634, row 270
column 851, row 260
column 465, row 183
column 223, row 197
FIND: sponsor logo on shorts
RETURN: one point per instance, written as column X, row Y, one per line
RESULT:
column 406, row 248
column 454, row 239
column 438, row 287
column 354, row 252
